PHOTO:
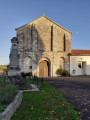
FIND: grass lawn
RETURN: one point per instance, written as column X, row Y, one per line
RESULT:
column 2, row 79
column 48, row 104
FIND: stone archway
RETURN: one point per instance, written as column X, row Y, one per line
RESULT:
column 44, row 68
column 62, row 63
column 26, row 65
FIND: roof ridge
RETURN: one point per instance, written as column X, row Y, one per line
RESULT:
column 80, row 49
column 57, row 24
column 49, row 20
column 28, row 23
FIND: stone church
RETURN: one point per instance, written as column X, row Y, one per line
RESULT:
column 41, row 47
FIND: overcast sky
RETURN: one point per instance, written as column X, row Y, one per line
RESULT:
column 73, row 15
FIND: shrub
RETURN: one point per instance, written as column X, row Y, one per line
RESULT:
column 29, row 74
column 26, row 74
column 65, row 73
column 62, row 72
column 59, row 71
column 23, row 74
column 7, row 93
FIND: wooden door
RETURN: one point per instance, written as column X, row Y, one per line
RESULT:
column 43, row 69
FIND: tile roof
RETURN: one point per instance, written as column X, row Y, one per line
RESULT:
column 78, row 51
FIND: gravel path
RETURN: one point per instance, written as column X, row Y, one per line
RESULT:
column 77, row 91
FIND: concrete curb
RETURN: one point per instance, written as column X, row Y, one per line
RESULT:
column 32, row 90
column 11, row 108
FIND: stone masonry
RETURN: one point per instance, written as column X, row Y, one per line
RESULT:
column 43, row 39
column 14, row 62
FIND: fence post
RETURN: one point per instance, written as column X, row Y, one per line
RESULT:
column 4, row 83
column 34, row 77
column 37, row 80
column 42, row 82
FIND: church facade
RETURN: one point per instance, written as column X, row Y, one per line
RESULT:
column 41, row 46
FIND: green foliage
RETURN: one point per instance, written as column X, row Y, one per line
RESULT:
column 65, row 73
column 7, row 93
column 62, row 72
column 23, row 74
column 2, row 107
column 59, row 71
column 2, row 79
column 29, row 80
column 26, row 74
column 48, row 104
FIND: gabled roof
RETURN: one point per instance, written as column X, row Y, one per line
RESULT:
column 46, row 18
column 79, row 51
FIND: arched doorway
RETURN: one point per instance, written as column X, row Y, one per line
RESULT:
column 27, row 65
column 44, row 68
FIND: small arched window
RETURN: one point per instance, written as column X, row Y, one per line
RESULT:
column 51, row 38
column 64, row 43
column 62, row 63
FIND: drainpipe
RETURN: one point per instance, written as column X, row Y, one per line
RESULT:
column 52, row 70
column 69, row 61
